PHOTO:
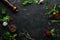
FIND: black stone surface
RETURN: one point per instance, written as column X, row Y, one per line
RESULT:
column 32, row 18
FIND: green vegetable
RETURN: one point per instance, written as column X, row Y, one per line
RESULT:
column 1, row 20
column 55, row 20
column 52, row 30
column 36, row 1
column 47, row 6
column 13, row 37
column 59, row 6
column 53, row 11
column 53, row 33
column 9, row 37
column 3, row 11
column 6, row 18
column 27, row 2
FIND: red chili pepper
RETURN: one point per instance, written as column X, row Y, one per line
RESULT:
column 56, row 16
column 48, row 33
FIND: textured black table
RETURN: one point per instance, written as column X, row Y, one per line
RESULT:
column 32, row 18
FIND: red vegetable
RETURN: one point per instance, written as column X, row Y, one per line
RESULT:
column 48, row 33
column 56, row 16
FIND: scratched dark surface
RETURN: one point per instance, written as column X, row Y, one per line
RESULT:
column 32, row 18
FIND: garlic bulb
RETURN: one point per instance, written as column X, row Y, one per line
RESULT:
column 5, row 24
column 40, row 1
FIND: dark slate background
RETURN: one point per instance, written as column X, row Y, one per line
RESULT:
column 32, row 18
